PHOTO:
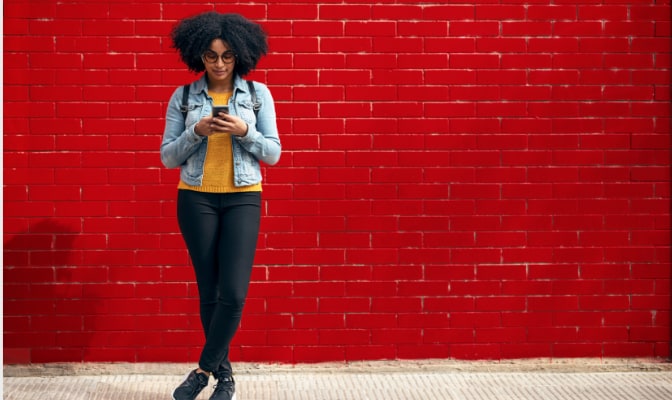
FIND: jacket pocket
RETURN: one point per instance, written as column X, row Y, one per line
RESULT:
column 246, row 112
column 193, row 114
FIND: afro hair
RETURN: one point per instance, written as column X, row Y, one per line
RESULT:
column 193, row 36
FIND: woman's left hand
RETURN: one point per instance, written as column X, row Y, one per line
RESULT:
column 227, row 123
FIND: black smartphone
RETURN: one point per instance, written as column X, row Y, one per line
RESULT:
column 219, row 109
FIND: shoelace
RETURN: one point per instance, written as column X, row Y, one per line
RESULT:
column 226, row 384
column 195, row 389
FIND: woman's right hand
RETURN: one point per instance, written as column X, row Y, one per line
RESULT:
column 206, row 127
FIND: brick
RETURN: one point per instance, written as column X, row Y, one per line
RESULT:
column 477, row 61
column 518, row 61
column 564, row 77
column 553, row 303
column 426, row 321
column 397, row 12
column 500, row 303
column 312, row 257
column 398, row 76
column 558, row 334
column 508, row 207
column 396, row 304
column 474, row 319
column 490, row 272
column 396, row 336
column 330, row 273
column 648, row 12
column 573, row 254
column 373, row 29
column 347, row 12
column 340, row 240
column 449, row 12
column 626, row 349
column 348, row 337
column 423, row 289
column 474, row 28
column 423, row 60
column 423, row 28
column 321, row 28
column 424, row 224
column 508, row 350
column 572, row 349
column 476, row 191
column 343, row 305
column 483, row 157
column 633, row 61
column 457, row 239
column 371, row 256
column 345, row 110
column 135, row 11
column 346, row 45
column 577, row 288
column 522, row 28
column 595, row 45
column 394, row 273
column 368, row 320
column 373, row 61
column 449, row 304
column 318, row 353
column 500, row 335
column 553, row 238
column 319, row 192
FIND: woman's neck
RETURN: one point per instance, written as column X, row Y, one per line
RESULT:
column 219, row 86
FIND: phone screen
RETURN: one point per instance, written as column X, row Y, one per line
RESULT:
column 219, row 109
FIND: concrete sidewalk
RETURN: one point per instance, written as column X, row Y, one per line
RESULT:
column 427, row 380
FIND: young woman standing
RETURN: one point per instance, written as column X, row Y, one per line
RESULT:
column 219, row 193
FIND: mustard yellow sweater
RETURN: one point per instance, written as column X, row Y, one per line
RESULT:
column 218, row 167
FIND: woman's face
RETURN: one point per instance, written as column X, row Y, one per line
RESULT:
column 219, row 62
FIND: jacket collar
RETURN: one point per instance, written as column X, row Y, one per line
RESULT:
column 201, row 85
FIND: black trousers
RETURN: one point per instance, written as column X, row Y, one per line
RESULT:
column 220, row 231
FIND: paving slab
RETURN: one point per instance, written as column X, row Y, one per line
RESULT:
column 440, row 380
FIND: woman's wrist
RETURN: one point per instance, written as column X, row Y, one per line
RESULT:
column 196, row 129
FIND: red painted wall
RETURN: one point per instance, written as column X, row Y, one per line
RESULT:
column 475, row 180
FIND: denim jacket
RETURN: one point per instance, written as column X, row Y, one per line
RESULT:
column 182, row 147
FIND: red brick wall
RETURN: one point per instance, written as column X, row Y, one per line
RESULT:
column 464, row 181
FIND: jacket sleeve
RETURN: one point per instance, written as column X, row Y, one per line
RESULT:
column 179, row 142
column 262, row 138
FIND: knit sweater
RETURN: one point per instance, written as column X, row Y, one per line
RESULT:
column 218, row 167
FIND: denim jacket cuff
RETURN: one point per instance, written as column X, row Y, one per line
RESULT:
column 192, row 136
column 251, row 136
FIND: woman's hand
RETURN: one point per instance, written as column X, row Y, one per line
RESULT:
column 223, row 123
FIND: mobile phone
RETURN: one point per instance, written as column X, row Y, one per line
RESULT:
column 219, row 109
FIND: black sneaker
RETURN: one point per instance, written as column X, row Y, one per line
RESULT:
column 191, row 387
column 225, row 389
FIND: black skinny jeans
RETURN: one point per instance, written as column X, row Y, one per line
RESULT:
column 220, row 231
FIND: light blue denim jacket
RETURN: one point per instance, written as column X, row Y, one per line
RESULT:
column 182, row 147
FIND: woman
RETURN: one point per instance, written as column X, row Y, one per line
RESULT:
column 219, row 193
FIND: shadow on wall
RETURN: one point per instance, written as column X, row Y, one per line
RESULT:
column 669, row 224
column 44, row 301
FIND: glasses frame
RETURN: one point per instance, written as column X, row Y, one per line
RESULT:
column 228, row 57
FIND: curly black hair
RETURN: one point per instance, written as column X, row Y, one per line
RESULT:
column 192, row 37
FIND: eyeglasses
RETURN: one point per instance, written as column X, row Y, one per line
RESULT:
column 211, row 57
